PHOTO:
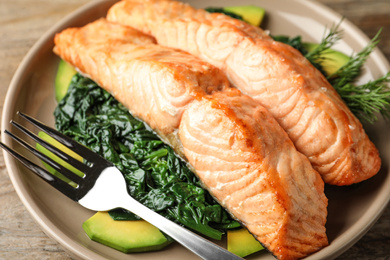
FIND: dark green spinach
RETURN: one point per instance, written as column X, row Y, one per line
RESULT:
column 222, row 11
column 154, row 174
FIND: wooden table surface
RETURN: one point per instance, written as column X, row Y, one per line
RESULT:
column 22, row 22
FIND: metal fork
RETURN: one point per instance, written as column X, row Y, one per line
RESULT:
column 103, row 186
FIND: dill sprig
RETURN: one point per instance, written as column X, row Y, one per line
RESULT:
column 369, row 99
column 352, row 69
column 366, row 100
column 318, row 55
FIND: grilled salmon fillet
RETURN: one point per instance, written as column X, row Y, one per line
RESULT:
column 250, row 165
column 130, row 66
column 274, row 74
column 235, row 146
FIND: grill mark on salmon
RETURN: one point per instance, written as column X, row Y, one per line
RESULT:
column 235, row 146
column 273, row 73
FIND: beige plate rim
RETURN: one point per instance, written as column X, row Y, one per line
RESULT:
column 81, row 248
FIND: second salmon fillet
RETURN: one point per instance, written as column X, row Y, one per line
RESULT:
column 274, row 74
column 236, row 148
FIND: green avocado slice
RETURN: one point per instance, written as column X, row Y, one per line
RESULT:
column 250, row 13
column 128, row 236
column 333, row 60
column 64, row 76
column 242, row 243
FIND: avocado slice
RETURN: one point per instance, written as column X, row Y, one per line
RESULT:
column 250, row 13
column 242, row 243
column 64, row 76
column 128, row 236
column 333, row 60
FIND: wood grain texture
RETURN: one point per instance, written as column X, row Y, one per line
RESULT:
column 22, row 22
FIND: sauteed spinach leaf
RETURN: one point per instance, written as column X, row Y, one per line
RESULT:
column 155, row 176
column 221, row 10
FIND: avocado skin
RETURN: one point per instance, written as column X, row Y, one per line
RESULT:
column 333, row 60
column 128, row 236
column 63, row 78
column 251, row 14
column 242, row 243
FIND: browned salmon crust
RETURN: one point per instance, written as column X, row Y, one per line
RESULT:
column 238, row 150
column 274, row 74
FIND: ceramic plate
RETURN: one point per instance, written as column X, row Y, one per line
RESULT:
column 352, row 210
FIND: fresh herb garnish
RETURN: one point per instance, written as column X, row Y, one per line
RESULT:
column 154, row 175
column 318, row 55
column 365, row 100
column 369, row 99
column 350, row 71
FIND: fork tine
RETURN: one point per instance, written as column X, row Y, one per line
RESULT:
column 65, row 140
column 62, row 155
column 57, row 183
column 67, row 173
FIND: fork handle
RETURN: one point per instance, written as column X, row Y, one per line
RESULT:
column 109, row 191
column 195, row 243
